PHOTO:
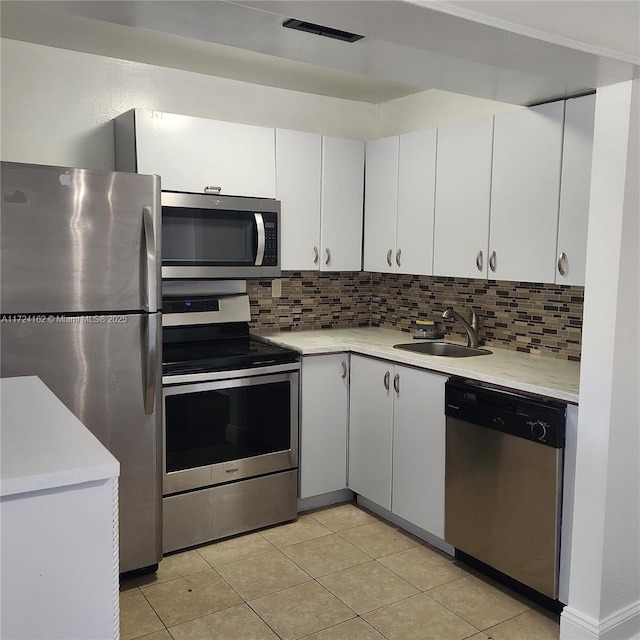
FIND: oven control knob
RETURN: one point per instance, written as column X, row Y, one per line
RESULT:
column 539, row 430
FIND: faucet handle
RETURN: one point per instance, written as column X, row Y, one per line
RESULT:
column 474, row 319
column 474, row 316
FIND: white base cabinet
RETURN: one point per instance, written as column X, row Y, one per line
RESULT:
column 59, row 521
column 371, row 429
column 419, row 449
column 198, row 154
column 397, row 440
column 324, row 413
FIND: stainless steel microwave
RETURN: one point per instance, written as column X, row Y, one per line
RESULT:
column 214, row 236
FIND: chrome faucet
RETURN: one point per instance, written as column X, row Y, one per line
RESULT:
column 471, row 329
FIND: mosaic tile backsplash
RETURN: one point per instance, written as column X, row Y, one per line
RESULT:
column 533, row 318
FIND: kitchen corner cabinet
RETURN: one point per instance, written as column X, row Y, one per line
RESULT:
column 341, row 204
column 525, row 191
column 298, row 172
column 397, row 440
column 463, row 199
column 197, row 154
column 324, row 413
column 574, row 190
column 399, row 203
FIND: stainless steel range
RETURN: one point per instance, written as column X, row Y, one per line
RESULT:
column 230, row 451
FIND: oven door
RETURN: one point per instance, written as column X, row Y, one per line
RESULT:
column 238, row 425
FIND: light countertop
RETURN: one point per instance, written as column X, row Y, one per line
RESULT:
column 43, row 445
column 543, row 375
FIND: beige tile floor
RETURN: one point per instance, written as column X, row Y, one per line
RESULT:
column 338, row 573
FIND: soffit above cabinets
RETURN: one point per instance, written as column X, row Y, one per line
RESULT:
column 534, row 52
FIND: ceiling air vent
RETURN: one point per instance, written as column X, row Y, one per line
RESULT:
column 319, row 30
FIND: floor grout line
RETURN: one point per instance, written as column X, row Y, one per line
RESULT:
column 316, row 580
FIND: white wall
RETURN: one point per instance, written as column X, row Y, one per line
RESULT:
column 57, row 105
column 430, row 109
column 604, row 590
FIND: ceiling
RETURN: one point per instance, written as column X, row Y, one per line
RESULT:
column 519, row 51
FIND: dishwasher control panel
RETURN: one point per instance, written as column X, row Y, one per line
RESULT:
column 530, row 417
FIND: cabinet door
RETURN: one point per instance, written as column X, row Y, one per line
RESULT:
column 419, row 449
column 190, row 154
column 298, row 165
column 341, row 204
column 463, row 192
column 323, row 424
column 416, row 192
column 525, row 193
column 574, row 190
column 380, row 205
column 370, row 429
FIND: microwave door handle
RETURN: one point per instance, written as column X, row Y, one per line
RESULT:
column 261, row 239
column 150, row 257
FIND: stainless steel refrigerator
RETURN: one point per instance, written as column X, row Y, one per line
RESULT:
column 79, row 292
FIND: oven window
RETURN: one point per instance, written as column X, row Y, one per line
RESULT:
column 226, row 424
column 202, row 237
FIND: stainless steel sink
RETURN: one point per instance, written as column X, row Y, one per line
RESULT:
column 442, row 349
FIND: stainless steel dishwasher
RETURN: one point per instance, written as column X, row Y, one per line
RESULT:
column 503, row 488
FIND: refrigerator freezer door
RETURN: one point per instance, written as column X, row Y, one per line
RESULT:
column 99, row 367
column 77, row 240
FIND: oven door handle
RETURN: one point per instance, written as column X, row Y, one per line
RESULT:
column 261, row 238
column 150, row 361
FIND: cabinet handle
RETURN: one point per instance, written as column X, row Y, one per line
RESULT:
column 328, row 260
column 398, row 255
column 344, row 369
column 389, row 254
column 316, row 255
column 562, row 259
column 210, row 188
column 479, row 260
column 492, row 261
column 387, row 375
column 396, row 382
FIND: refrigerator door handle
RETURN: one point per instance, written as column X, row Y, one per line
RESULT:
column 150, row 254
column 150, row 361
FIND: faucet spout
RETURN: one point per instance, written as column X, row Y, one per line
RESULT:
column 471, row 329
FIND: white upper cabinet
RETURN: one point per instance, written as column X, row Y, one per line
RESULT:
column 298, row 167
column 399, row 201
column 197, row 154
column 416, row 191
column 341, row 204
column 381, row 205
column 525, row 191
column 463, row 199
column 574, row 190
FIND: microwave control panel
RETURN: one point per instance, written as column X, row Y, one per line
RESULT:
column 270, row 244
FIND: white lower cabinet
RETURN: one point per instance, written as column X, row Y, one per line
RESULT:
column 371, row 429
column 419, row 449
column 324, row 414
column 397, row 440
